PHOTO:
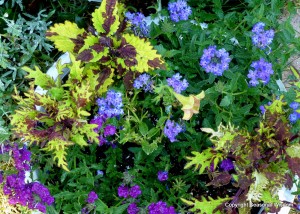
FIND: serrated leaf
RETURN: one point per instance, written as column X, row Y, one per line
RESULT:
column 201, row 161
column 57, row 93
column 62, row 35
column 143, row 128
column 79, row 139
column 149, row 148
column 41, row 79
column 293, row 151
column 226, row 101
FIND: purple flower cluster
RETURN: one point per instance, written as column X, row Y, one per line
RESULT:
column 92, row 197
column 139, row 25
column 162, row 175
column 125, row 192
column 261, row 38
column 177, row 84
column 132, row 209
column 179, row 10
column 294, row 116
column 261, row 70
column 143, row 82
column 227, row 165
column 33, row 195
column 215, row 61
column 172, row 129
column 161, row 208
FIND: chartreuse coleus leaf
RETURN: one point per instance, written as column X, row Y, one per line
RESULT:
column 206, row 206
column 62, row 35
column 41, row 79
column 293, row 151
column 257, row 188
column 190, row 104
column 106, row 17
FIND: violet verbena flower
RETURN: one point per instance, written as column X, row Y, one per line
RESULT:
column 162, row 175
column 177, row 84
column 98, row 120
column 109, row 130
column 132, row 209
column 261, row 70
column 227, row 165
column 215, row 61
column 92, row 197
column 171, row 130
column 294, row 105
column 179, row 10
column 139, row 25
column 261, row 38
column 143, row 82
column 111, row 106
column 123, row 191
column 135, row 191
column 21, row 158
column 294, row 117
column 161, row 208
column 262, row 109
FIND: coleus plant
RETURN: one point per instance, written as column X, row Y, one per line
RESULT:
column 105, row 45
column 260, row 162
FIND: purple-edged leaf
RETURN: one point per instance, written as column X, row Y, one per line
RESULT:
column 97, row 47
column 105, row 73
column 85, row 56
column 220, row 179
column 128, row 80
column 294, row 164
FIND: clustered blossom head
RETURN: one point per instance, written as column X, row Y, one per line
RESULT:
column 143, row 82
column 262, row 70
column 261, row 38
column 215, row 61
column 162, row 175
column 92, row 197
column 139, row 25
column 111, row 106
column 177, row 84
column 33, row 195
column 133, row 192
column 179, row 10
column 133, row 209
column 227, row 165
column 161, row 208
column 172, row 129
column 294, row 116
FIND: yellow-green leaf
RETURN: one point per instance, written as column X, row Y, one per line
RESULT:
column 41, row 79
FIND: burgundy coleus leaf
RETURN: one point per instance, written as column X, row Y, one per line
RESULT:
column 106, row 41
column 97, row 47
column 85, row 56
column 288, row 181
column 92, row 30
column 126, row 50
column 104, row 74
column 109, row 17
column 156, row 63
column 120, row 70
column 220, row 179
column 79, row 42
column 293, row 164
column 244, row 181
column 282, row 133
column 128, row 80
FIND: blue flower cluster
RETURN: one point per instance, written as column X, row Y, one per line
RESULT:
column 295, row 116
column 215, row 61
column 177, row 84
column 179, row 10
column 261, row 38
column 262, row 70
column 172, row 129
column 143, row 82
column 111, row 106
column 139, row 26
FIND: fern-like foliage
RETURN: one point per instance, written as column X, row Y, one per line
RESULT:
column 106, row 47
column 63, row 120
column 263, row 161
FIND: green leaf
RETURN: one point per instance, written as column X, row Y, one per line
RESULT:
column 202, row 160
column 152, row 132
column 143, row 128
column 149, row 148
column 226, row 101
column 57, row 93
column 41, row 79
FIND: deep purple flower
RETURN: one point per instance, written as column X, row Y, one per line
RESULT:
column 172, row 129
column 1, row 177
column 215, row 61
column 135, row 191
column 132, row 209
column 179, row 10
column 227, row 165
column 21, row 157
column 161, row 208
column 109, row 130
column 98, row 120
column 260, row 37
column 123, row 191
column 92, row 197
column 162, row 175
column 143, row 82
column 262, row 70
column 177, row 84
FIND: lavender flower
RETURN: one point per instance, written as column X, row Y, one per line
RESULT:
column 177, row 84
column 109, row 130
column 161, row 208
column 179, row 10
column 21, row 158
column 111, row 106
column 294, row 117
column 92, row 197
column 171, row 130
column 135, row 191
column 98, row 120
column 260, row 37
column 227, row 165
column 215, row 61
column 139, row 25
column 123, row 191
column 143, row 82
column 294, row 105
column 132, row 209
column 262, row 109
column 162, row 175
column 262, row 70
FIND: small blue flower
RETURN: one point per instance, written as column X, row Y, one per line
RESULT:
column 294, row 105
column 143, row 82
column 260, row 37
column 171, row 130
column 177, row 84
column 262, row 70
column 179, row 10
column 139, row 26
column 294, row 117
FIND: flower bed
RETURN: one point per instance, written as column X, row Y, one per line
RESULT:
column 182, row 111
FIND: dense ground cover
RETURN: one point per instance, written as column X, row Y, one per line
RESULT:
column 146, row 100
